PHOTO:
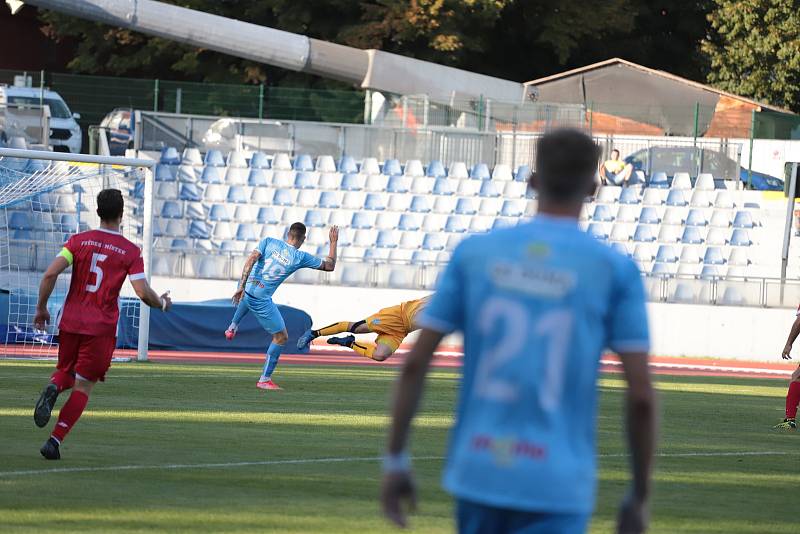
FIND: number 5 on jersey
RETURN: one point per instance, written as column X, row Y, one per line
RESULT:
column 98, row 272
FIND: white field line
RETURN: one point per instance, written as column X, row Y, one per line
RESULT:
column 300, row 461
column 716, row 368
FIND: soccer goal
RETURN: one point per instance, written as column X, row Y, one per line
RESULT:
column 44, row 198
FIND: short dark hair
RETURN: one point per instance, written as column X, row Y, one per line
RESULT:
column 614, row 150
column 566, row 161
column 110, row 204
column 297, row 231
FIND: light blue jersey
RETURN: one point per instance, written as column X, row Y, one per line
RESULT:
column 277, row 262
column 537, row 303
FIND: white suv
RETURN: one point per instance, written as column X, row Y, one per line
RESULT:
column 65, row 133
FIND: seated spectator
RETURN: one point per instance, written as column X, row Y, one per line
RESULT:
column 615, row 170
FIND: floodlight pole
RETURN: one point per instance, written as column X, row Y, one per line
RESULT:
column 787, row 234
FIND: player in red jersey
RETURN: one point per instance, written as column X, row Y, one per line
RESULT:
column 100, row 259
column 793, row 395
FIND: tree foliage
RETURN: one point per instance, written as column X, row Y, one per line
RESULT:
column 754, row 49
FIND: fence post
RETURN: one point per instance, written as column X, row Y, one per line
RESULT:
column 696, row 121
column 405, row 110
column 261, row 101
column 41, row 87
column 480, row 113
column 155, row 95
column 426, row 105
column 591, row 118
column 178, row 98
column 750, row 155
column 488, row 122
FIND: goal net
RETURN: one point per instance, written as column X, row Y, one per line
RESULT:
column 44, row 198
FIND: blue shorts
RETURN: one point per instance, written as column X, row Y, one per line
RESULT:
column 474, row 518
column 266, row 313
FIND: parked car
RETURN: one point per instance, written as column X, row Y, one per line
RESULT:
column 119, row 126
column 65, row 133
column 695, row 160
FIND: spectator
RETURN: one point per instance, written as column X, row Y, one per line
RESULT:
column 615, row 170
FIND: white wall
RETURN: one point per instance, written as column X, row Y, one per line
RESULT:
column 677, row 329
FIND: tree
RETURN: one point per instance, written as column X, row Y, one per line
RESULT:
column 754, row 49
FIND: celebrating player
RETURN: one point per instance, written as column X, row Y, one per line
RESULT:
column 537, row 304
column 266, row 268
column 391, row 324
column 100, row 259
column 793, row 395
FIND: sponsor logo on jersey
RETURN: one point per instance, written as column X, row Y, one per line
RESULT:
column 507, row 450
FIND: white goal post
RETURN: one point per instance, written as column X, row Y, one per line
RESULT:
column 44, row 197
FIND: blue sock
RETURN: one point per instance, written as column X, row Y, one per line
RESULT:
column 273, row 354
column 241, row 311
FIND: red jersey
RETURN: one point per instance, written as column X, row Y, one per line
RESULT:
column 101, row 259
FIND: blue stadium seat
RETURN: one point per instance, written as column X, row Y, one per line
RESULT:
column 629, row 195
column 391, row 167
column 214, row 158
column 267, row 215
column 445, row 186
column 68, row 223
column 696, row 218
column 237, row 195
column 329, row 199
column 435, row 169
column 743, row 219
column 180, row 245
column 169, row 156
column 306, row 180
column 598, row 231
column 513, row 208
column 489, row 189
column 219, row 212
column 456, row 224
column 303, row 162
column 480, row 171
column 419, row 204
column 676, row 197
column 190, row 192
column 663, row 269
column 195, row 210
column 259, row 161
column 741, row 238
column 409, row 222
column 645, row 233
column 398, row 184
column 45, row 202
column 347, row 165
column 199, row 230
column 667, row 254
column 213, row 175
column 363, row 221
column 388, row 239
column 522, row 174
column 259, row 178
column 375, row 201
column 188, row 173
column 434, row 242
column 659, row 180
column 649, row 216
column 315, row 219
column 714, row 256
column 353, row 182
column 166, row 173
column 19, row 220
column 692, row 236
column 466, row 206
column 283, row 197
column 172, row 210
column 621, row 248
column 377, row 254
column 709, row 272
column 602, row 213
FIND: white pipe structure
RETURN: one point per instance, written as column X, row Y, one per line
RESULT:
column 368, row 69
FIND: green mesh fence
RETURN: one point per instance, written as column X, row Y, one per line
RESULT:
column 776, row 125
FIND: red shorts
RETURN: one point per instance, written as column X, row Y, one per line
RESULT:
column 84, row 355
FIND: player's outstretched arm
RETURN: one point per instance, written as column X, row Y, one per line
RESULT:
column 642, row 430
column 397, row 483
column 46, row 286
column 329, row 263
column 248, row 267
column 793, row 333
column 150, row 297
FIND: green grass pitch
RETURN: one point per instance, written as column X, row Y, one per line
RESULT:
column 197, row 448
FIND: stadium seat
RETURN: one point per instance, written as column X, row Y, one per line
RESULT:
column 370, row 166
column 181, row 245
column 424, row 257
column 710, row 272
column 649, row 215
column 684, row 293
column 365, row 238
column 413, row 168
column 691, row 254
column 453, row 239
column 399, row 202
column 353, row 182
column 419, row 204
column 659, row 180
column 627, row 213
column 457, row 224
column 434, row 223
column 315, row 219
column 169, row 156
column 347, row 165
column 502, row 172
column 176, row 228
column 480, row 171
column 346, row 235
column 736, row 271
column 743, row 219
column 468, row 188
column 188, row 173
column 325, row 163
column 330, row 180
column 622, row 248
column 654, row 197
column 724, row 200
column 199, row 230
column 167, row 191
column 677, row 197
column 489, row 189
column 211, row 267
column 281, row 162
column 291, row 216
column 244, row 214
column 214, row 158
column 732, row 296
column 308, row 198
column 512, row 208
column 352, row 253
column 602, row 213
column 391, row 167
column 411, row 240
column 362, row 220
column 166, row 173
column 189, row 192
column 273, row 230
column 713, row 256
column 400, row 255
column 284, row 197
column 609, row 194
column 330, row 199
column 172, row 210
column 696, row 218
column 376, row 183
column 514, row 190
column 621, row 232
column 303, row 162
column 354, row 274
column 236, row 176
column 259, row 160
column 422, row 185
column 435, row 169
column 235, row 247
column 506, row 222
column 701, row 199
column 692, row 236
column 490, row 207
column 195, row 211
column 687, row 269
column 663, row 269
column 387, row 239
column 354, row 200
column 463, row 206
column 262, row 196
column 681, row 180
column 637, row 178
column 434, row 242
column 191, row 156
column 237, row 194
column 721, row 219
column 219, row 212
column 669, row 233
column 399, row 184
column 667, row 254
column 522, row 174
column 410, row 222
column 741, row 238
column 458, row 169
column 387, row 220
column 630, row 195
column 377, row 255
column 445, row 186
column 259, row 178
column 236, row 160
column 20, row 220
column 68, row 223
column 306, row 180
column 598, row 230
column 283, row 179
column 375, row 201
column 717, row 236
column 318, row 237
column 676, row 216
column 643, row 253
column 223, row 231
column 739, row 257
column 705, row 182
column 216, row 193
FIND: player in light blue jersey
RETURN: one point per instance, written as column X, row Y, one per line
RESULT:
column 272, row 262
column 537, row 305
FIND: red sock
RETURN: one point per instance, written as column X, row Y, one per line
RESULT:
column 62, row 380
column 70, row 414
column 792, row 398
